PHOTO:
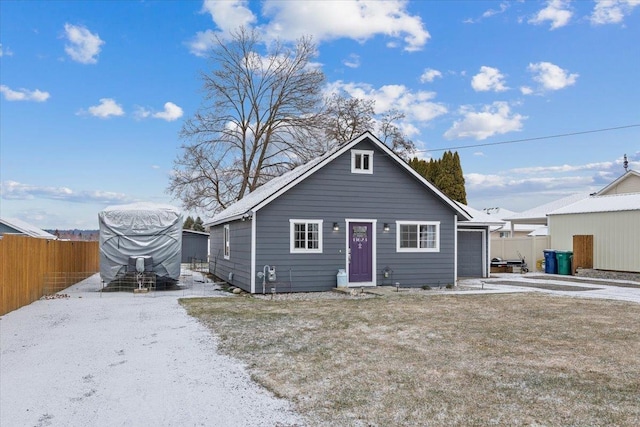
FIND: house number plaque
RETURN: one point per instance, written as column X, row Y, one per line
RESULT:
column 359, row 235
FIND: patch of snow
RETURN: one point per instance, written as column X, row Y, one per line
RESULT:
column 123, row 359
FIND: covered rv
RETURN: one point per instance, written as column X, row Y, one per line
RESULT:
column 140, row 238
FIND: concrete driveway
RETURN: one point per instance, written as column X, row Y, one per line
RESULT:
column 622, row 290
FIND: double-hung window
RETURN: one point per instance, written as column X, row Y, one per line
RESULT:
column 226, row 238
column 362, row 161
column 418, row 236
column 305, row 236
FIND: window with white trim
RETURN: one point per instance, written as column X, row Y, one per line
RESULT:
column 418, row 236
column 362, row 161
column 226, row 238
column 305, row 236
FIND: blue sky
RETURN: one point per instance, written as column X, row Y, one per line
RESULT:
column 93, row 94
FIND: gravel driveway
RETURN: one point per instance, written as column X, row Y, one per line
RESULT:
column 119, row 359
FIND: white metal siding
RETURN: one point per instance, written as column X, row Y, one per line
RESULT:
column 629, row 185
column 616, row 237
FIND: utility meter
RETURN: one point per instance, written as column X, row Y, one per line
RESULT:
column 271, row 274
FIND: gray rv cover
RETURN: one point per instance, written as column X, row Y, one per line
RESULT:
column 140, row 229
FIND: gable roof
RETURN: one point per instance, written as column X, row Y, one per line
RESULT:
column 271, row 190
column 612, row 203
column 500, row 213
column 25, row 228
column 480, row 217
column 538, row 215
column 630, row 174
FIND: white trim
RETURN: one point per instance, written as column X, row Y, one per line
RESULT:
column 399, row 225
column 485, row 250
column 368, row 153
column 226, row 242
column 455, row 249
column 374, row 252
column 292, row 248
column 252, row 272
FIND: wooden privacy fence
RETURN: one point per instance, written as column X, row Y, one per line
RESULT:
column 31, row 268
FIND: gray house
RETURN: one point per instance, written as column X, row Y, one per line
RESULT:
column 195, row 246
column 356, row 216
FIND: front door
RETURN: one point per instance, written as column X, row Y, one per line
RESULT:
column 361, row 252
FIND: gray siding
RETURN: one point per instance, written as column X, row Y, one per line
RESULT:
column 470, row 254
column 194, row 247
column 332, row 194
column 239, row 262
column 5, row 229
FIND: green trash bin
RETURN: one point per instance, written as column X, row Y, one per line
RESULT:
column 564, row 259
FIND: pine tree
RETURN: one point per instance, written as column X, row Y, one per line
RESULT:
column 459, row 192
column 188, row 223
column 445, row 173
column 198, row 225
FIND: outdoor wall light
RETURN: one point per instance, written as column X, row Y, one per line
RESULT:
column 336, row 227
column 386, row 227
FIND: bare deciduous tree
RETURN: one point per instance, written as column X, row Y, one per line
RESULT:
column 345, row 118
column 258, row 112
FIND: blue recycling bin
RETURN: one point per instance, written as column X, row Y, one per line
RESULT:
column 550, row 264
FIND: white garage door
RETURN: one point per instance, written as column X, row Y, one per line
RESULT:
column 470, row 253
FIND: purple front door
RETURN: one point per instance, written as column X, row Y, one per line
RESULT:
column 360, row 248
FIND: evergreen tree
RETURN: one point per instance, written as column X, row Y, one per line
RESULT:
column 198, row 225
column 459, row 191
column 188, row 223
column 445, row 173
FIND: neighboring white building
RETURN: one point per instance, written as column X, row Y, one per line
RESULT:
column 507, row 229
column 611, row 216
column 16, row 226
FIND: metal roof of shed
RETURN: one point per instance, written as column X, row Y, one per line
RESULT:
column 26, row 228
column 612, row 203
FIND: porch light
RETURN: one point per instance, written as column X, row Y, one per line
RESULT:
column 336, row 227
column 386, row 227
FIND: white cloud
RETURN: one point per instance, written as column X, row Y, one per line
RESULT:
column 5, row 51
column 557, row 12
column 551, row 77
column 477, row 180
column 417, row 106
column 12, row 190
column 563, row 168
column 353, row 61
column 83, row 45
column 107, row 108
column 429, row 75
column 526, row 90
column 488, row 79
column 23, row 94
column 359, row 20
column 489, row 13
column 171, row 112
column 612, row 11
column 202, row 42
column 493, row 119
column 229, row 15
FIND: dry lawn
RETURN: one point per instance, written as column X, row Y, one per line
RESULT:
column 427, row 359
